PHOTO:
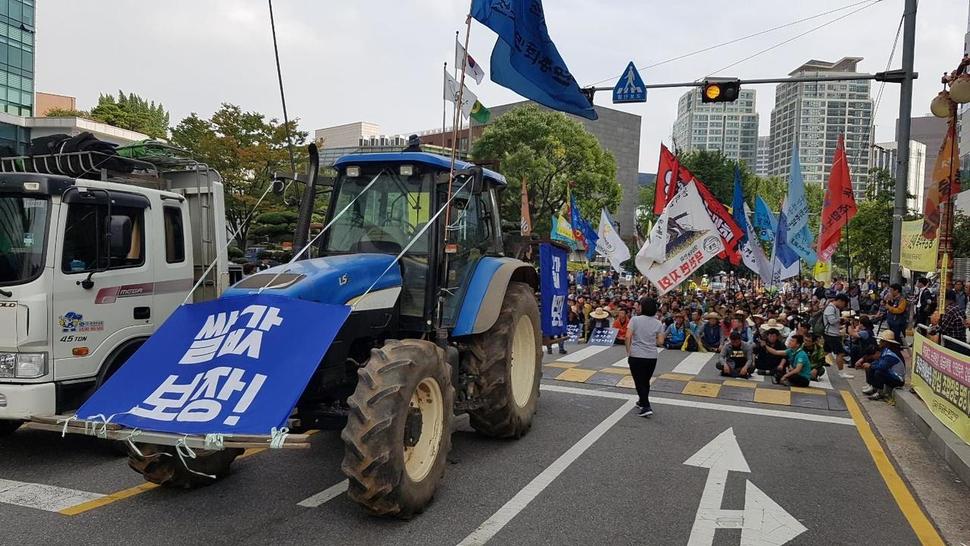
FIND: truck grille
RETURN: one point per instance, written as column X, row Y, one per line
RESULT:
column 3, row 400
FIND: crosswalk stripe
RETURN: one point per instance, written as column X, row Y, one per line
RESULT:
column 693, row 363
column 623, row 363
column 42, row 497
column 324, row 496
column 583, row 353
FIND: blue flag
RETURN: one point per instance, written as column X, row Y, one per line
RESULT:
column 229, row 366
column 526, row 60
column 797, row 212
column 737, row 205
column 553, row 287
column 784, row 253
column 765, row 222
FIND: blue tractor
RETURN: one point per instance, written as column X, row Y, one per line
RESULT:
column 442, row 323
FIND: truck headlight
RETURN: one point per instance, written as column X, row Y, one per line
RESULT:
column 23, row 365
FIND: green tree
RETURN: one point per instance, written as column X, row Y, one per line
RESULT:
column 961, row 235
column 67, row 113
column 549, row 151
column 246, row 149
column 133, row 113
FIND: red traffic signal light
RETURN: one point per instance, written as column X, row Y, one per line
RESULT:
column 726, row 90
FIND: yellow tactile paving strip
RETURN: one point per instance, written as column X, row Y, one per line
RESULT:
column 757, row 392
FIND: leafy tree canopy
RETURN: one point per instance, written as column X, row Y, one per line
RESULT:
column 133, row 113
column 549, row 151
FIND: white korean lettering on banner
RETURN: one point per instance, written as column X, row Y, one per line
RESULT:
column 556, row 272
column 201, row 399
column 558, row 302
column 217, row 336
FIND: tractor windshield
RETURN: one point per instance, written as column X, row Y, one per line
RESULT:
column 385, row 217
column 23, row 230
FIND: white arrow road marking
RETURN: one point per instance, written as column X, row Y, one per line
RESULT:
column 42, row 497
column 324, row 496
column 762, row 522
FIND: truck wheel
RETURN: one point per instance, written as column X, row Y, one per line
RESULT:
column 8, row 427
column 398, row 433
column 162, row 465
column 507, row 360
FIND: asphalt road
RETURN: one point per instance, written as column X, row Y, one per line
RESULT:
column 590, row 471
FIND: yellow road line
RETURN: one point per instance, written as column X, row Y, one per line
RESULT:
column 677, row 376
column 740, row 383
column 914, row 514
column 142, row 488
column 616, row 371
column 699, row 388
column 576, row 375
column 808, row 390
column 564, row 365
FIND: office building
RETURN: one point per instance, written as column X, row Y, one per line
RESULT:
column 812, row 115
column 763, row 161
column 346, row 135
column 929, row 130
column 884, row 156
column 731, row 127
column 16, row 71
column 618, row 132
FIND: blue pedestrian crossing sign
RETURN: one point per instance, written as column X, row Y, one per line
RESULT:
column 630, row 88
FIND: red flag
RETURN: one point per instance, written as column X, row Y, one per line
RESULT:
column 666, row 185
column 944, row 184
column 839, row 205
column 730, row 232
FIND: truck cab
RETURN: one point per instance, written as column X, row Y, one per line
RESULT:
column 91, row 262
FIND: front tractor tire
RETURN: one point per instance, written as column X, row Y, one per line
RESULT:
column 161, row 465
column 507, row 363
column 398, row 433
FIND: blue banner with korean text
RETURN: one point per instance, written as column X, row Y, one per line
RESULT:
column 553, row 286
column 230, row 366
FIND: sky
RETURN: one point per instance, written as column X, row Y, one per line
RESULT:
column 381, row 60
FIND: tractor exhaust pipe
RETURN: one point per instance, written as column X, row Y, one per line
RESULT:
column 302, row 234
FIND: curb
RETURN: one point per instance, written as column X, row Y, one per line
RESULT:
column 944, row 442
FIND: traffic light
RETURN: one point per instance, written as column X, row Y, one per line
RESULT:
column 721, row 90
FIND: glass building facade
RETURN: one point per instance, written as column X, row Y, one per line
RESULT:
column 16, row 71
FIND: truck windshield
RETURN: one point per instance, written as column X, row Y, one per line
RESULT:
column 385, row 218
column 23, row 228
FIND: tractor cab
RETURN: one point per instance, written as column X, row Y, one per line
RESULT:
column 391, row 203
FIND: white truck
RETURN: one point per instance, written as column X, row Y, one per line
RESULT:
column 96, row 251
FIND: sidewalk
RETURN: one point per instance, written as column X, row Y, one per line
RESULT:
column 934, row 462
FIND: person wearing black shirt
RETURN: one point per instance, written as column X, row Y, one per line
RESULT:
column 765, row 362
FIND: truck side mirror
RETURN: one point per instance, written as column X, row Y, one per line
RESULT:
column 119, row 230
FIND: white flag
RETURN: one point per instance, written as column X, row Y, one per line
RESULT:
column 752, row 253
column 472, row 68
column 683, row 240
column 609, row 243
column 468, row 98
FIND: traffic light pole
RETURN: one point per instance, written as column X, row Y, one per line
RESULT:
column 902, row 138
column 892, row 76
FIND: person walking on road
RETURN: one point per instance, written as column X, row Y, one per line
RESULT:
column 644, row 333
column 832, row 319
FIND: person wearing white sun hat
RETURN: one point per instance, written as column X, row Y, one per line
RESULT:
column 887, row 373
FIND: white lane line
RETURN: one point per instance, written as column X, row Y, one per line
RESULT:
column 705, row 405
column 324, row 496
column 624, row 364
column 528, row 493
column 583, row 353
column 42, row 497
column 693, row 363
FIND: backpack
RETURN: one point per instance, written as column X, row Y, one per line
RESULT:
column 817, row 324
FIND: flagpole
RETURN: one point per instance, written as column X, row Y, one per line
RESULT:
column 456, row 128
column 444, row 103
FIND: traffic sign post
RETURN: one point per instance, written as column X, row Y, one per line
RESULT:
column 630, row 88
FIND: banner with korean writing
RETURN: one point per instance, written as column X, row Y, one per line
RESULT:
column 229, row 366
column 941, row 377
column 917, row 253
column 553, row 286
column 683, row 239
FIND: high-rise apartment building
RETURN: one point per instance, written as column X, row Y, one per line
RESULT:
column 930, row 130
column 812, row 115
column 884, row 156
column 731, row 127
column 16, row 70
column 764, row 156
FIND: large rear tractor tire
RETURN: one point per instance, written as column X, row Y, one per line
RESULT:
column 507, row 360
column 8, row 427
column 398, row 433
column 162, row 465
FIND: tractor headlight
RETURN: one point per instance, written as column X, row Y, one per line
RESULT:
column 23, row 365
